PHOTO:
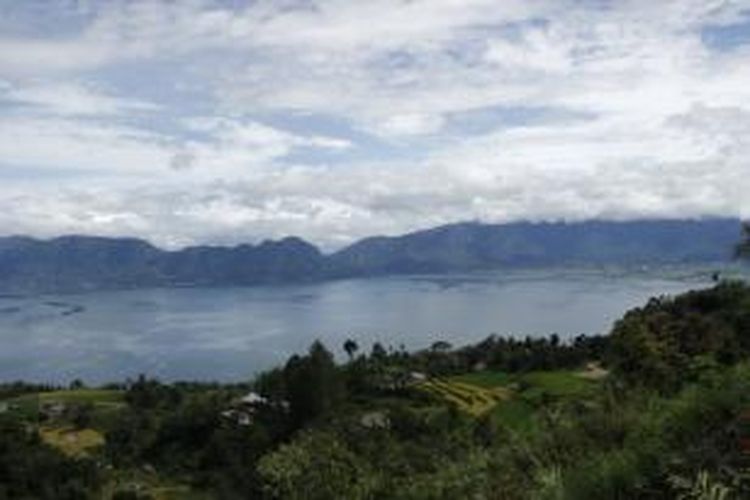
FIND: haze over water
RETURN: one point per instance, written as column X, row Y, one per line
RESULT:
column 229, row 334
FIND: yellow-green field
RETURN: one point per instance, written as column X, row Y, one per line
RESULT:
column 472, row 399
column 72, row 442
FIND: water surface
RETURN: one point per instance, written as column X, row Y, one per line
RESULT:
column 231, row 333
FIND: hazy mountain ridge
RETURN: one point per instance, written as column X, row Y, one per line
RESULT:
column 474, row 245
column 74, row 263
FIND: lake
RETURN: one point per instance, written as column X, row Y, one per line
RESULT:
column 228, row 334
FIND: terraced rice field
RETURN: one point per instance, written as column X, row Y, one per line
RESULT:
column 74, row 443
column 512, row 398
column 470, row 398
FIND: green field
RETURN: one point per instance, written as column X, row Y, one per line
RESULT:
column 515, row 414
column 486, row 379
column 512, row 398
column 558, row 385
column 78, row 396
column 104, row 402
column 94, row 396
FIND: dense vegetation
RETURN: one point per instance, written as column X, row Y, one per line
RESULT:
column 658, row 409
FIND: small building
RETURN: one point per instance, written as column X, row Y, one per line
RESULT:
column 53, row 409
column 253, row 399
column 244, row 409
column 479, row 366
column 238, row 417
column 375, row 420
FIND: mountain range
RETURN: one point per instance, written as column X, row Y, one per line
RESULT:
column 79, row 263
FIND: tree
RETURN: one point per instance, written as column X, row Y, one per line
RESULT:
column 315, row 386
column 351, row 347
column 315, row 466
column 30, row 469
column 77, row 384
column 742, row 250
column 130, row 433
column 82, row 415
column 441, row 346
column 378, row 352
column 272, row 384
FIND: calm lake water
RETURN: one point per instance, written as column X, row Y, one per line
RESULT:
column 231, row 333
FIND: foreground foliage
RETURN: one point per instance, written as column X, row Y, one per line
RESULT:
column 659, row 409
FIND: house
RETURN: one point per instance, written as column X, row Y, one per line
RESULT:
column 6, row 407
column 253, row 399
column 238, row 417
column 479, row 366
column 53, row 409
column 375, row 420
column 244, row 409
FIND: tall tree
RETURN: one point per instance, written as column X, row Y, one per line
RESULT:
column 314, row 383
column 351, row 347
column 742, row 250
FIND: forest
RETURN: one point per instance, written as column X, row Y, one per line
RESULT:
column 659, row 408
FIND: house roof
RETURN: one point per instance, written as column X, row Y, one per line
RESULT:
column 253, row 398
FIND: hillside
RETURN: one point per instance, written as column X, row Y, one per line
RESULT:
column 75, row 263
column 467, row 246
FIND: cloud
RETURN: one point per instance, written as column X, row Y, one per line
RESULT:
column 336, row 119
column 31, row 57
column 99, row 150
column 66, row 98
column 113, row 152
column 182, row 160
column 408, row 124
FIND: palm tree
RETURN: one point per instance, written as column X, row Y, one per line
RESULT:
column 351, row 347
column 441, row 346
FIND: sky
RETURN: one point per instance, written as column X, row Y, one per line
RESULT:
column 227, row 121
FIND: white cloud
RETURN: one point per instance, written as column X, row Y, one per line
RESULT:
column 101, row 150
column 66, row 98
column 32, row 57
column 251, row 134
column 408, row 124
column 658, row 120
column 114, row 153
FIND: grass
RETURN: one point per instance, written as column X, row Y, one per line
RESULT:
column 105, row 403
column 486, row 379
column 101, row 397
column 557, row 384
column 514, row 414
column 560, row 384
column 93, row 396
column 72, row 442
